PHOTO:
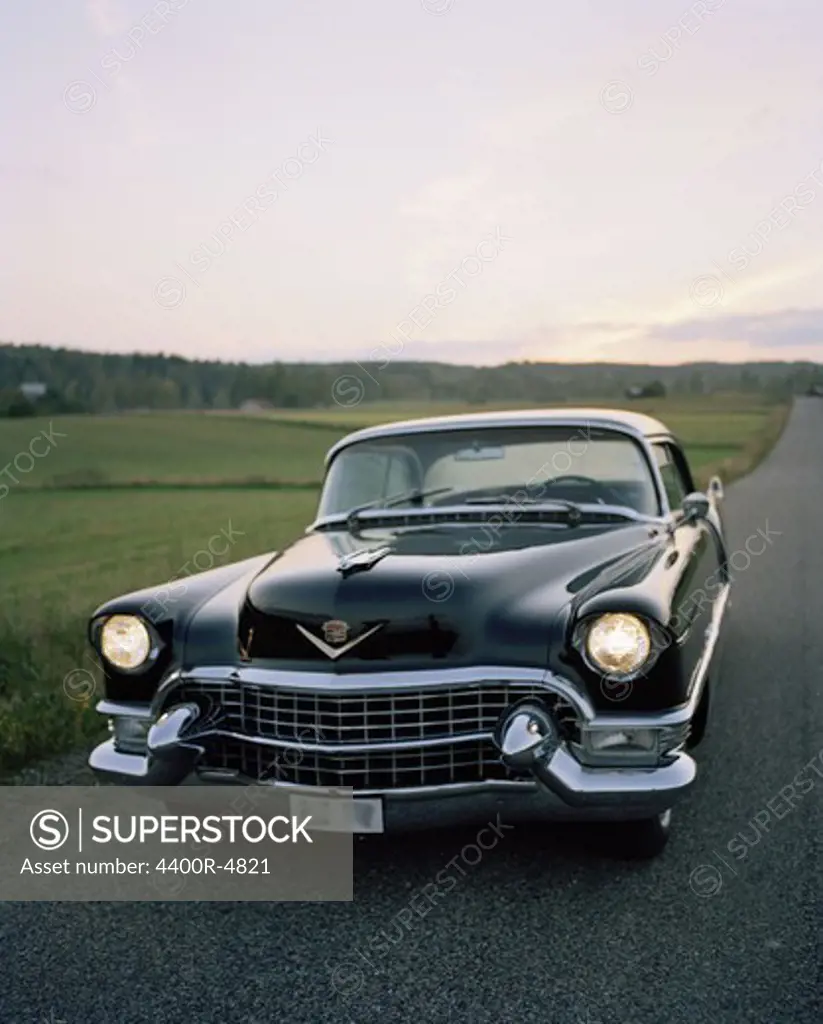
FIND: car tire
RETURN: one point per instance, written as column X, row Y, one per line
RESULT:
column 646, row 839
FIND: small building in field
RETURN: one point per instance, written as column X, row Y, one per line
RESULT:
column 255, row 405
column 32, row 390
column 654, row 389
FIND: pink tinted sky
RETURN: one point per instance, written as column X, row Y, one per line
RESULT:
column 464, row 180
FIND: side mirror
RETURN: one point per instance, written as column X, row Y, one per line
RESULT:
column 696, row 506
column 715, row 489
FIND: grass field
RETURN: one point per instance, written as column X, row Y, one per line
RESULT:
column 287, row 447
column 169, row 448
column 103, row 512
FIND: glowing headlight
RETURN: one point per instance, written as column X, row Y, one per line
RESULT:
column 618, row 643
column 125, row 641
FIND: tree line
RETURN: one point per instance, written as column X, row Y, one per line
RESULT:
column 98, row 383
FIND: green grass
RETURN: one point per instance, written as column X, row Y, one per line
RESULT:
column 166, row 448
column 65, row 550
column 64, row 553
column 285, row 447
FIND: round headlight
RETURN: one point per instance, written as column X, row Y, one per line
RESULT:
column 125, row 641
column 618, row 643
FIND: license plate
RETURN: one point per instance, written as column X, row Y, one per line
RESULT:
column 340, row 814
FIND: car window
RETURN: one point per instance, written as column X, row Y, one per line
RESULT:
column 399, row 477
column 365, row 478
column 673, row 481
column 372, row 475
column 609, row 461
column 564, row 462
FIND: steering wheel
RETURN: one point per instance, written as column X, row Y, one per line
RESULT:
column 587, row 481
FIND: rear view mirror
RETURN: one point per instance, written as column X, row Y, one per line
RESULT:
column 715, row 489
column 696, row 506
column 479, row 454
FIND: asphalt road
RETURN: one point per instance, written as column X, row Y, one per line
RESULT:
column 544, row 927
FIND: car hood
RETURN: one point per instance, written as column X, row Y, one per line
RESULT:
column 449, row 595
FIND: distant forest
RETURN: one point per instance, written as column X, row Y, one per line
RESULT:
column 91, row 382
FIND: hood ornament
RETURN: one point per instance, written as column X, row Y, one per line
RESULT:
column 361, row 560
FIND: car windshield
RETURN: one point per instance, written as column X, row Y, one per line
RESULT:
column 524, row 464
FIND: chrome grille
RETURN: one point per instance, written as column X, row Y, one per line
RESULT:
column 475, row 761
column 385, row 740
column 311, row 717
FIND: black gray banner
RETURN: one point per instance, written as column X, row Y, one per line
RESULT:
column 227, row 843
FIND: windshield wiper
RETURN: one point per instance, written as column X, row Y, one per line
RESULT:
column 415, row 495
column 507, row 499
column 575, row 512
column 571, row 508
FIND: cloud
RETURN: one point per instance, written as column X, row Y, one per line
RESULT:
column 733, row 337
column 106, row 17
column 781, row 329
column 37, row 172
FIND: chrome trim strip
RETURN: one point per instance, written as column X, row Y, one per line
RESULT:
column 701, row 670
column 406, row 793
column 123, row 709
column 657, row 477
column 360, row 682
column 345, row 748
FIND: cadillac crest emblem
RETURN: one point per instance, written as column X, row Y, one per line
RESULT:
column 335, row 631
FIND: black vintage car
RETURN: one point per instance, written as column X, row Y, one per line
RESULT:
column 512, row 613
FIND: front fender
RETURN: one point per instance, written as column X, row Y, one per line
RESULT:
column 170, row 609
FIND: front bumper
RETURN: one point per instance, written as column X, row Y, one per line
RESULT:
column 555, row 785
column 582, row 794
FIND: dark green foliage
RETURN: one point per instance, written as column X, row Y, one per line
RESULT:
column 92, row 382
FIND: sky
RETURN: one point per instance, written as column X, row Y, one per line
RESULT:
column 469, row 181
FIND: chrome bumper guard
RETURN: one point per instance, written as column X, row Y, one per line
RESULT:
column 170, row 756
column 528, row 740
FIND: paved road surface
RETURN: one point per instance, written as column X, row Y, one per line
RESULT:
column 543, row 928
